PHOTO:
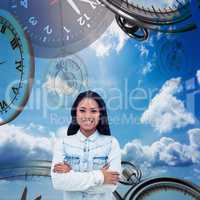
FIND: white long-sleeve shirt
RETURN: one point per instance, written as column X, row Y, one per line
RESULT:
column 86, row 155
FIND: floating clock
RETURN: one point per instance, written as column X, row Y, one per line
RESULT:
column 64, row 79
column 27, row 180
column 61, row 27
column 16, row 68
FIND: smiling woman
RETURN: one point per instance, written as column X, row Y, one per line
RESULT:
column 87, row 162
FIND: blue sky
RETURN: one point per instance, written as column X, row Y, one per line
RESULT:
column 152, row 92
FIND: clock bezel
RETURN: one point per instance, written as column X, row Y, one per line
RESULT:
column 46, row 51
column 25, row 44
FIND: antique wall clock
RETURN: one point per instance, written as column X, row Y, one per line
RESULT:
column 61, row 27
column 16, row 68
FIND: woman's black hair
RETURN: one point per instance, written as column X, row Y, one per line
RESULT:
column 103, row 126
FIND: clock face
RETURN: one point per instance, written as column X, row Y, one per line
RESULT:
column 28, row 179
column 172, row 58
column 159, row 4
column 61, row 27
column 16, row 68
column 64, row 79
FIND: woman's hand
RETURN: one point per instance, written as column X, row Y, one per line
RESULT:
column 110, row 177
column 61, row 168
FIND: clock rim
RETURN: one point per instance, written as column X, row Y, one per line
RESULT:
column 45, row 51
column 20, row 32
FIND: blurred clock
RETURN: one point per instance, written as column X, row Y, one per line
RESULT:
column 27, row 180
column 16, row 68
column 172, row 58
column 64, row 79
column 61, row 27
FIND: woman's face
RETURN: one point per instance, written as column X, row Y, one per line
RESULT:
column 88, row 115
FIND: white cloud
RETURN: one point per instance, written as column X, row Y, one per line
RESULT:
column 147, row 68
column 113, row 39
column 57, row 85
column 36, row 127
column 164, row 152
column 143, row 50
column 62, row 132
column 198, row 76
column 165, row 111
column 17, row 144
column 158, row 35
column 194, row 137
column 196, row 173
column 102, row 49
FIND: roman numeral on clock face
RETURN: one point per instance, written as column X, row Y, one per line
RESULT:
column 15, row 90
column 3, row 28
column 3, row 105
column 19, row 65
column 14, row 43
